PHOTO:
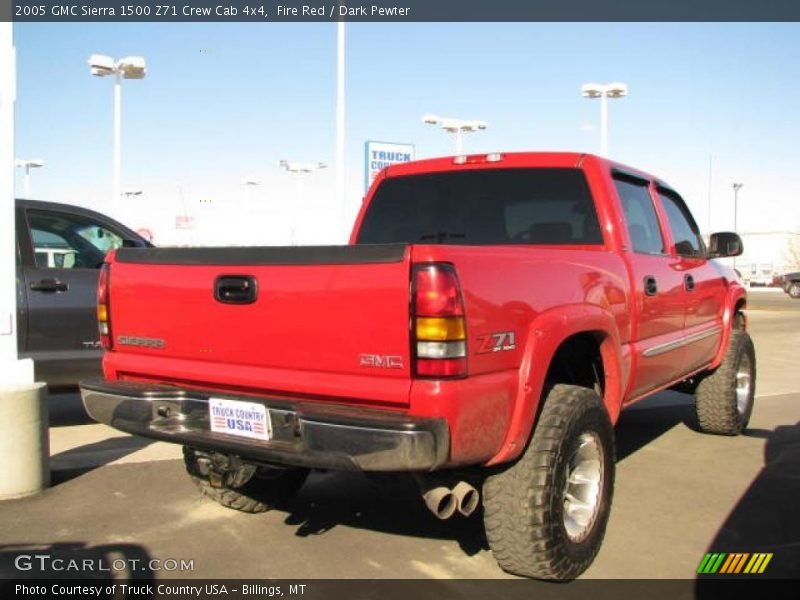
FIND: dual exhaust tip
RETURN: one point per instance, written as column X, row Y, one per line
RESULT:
column 443, row 501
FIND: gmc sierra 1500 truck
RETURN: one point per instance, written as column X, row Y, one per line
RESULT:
column 489, row 320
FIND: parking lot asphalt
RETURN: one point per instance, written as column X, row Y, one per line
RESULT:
column 678, row 495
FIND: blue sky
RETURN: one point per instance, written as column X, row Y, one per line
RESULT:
column 227, row 101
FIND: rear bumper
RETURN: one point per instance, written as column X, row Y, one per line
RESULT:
column 303, row 433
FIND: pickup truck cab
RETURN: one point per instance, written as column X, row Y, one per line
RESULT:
column 60, row 249
column 790, row 282
column 489, row 320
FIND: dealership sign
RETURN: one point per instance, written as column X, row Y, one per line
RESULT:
column 378, row 155
column 184, row 222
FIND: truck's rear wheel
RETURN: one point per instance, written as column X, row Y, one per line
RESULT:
column 241, row 486
column 724, row 399
column 545, row 514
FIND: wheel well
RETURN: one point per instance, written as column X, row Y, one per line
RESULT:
column 740, row 306
column 578, row 362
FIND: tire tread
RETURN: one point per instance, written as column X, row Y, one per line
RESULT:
column 518, row 506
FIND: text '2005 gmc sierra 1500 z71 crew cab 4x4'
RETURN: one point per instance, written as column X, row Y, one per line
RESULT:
column 487, row 323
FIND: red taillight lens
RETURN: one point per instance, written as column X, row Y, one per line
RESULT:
column 437, row 292
column 439, row 368
column 438, row 325
column 103, row 323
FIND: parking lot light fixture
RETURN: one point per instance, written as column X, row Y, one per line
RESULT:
column 28, row 164
column 458, row 127
column 604, row 91
column 130, row 67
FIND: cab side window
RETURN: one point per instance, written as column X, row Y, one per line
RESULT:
column 685, row 234
column 640, row 215
column 63, row 241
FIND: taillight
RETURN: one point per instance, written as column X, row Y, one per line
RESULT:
column 103, row 323
column 438, row 324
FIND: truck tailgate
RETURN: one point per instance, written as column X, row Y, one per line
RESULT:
column 323, row 321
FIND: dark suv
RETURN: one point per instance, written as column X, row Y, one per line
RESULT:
column 60, row 248
column 791, row 284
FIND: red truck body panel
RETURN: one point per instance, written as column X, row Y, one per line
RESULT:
column 303, row 337
column 307, row 335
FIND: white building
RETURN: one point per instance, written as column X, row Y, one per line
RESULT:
column 767, row 254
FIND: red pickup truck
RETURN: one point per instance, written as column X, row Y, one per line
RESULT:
column 489, row 320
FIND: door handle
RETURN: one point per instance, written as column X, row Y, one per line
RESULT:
column 650, row 285
column 236, row 289
column 688, row 282
column 49, row 285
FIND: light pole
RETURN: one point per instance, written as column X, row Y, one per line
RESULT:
column 340, row 124
column 604, row 92
column 736, row 188
column 456, row 126
column 130, row 67
column 301, row 170
column 28, row 164
column 23, row 403
column 13, row 371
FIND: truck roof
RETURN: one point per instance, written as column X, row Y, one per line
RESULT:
column 505, row 159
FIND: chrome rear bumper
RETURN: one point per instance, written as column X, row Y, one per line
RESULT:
column 303, row 433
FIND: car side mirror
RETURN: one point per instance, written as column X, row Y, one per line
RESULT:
column 724, row 243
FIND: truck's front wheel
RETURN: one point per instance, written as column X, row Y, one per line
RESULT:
column 724, row 398
column 241, row 486
column 545, row 514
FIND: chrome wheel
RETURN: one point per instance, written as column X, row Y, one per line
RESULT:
column 744, row 383
column 583, row 487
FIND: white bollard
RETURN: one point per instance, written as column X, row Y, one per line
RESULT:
column 24, row 440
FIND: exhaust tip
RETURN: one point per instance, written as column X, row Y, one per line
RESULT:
column 467, row 498
column 441, row 502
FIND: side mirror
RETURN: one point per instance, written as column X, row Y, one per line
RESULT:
column 724, row 243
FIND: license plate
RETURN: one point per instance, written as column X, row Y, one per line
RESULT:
column 244, row 419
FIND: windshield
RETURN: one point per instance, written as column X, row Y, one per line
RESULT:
column 483, row 206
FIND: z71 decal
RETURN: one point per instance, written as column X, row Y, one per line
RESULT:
column 497, row 342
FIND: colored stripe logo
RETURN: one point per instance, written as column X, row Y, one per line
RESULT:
column 734, row 563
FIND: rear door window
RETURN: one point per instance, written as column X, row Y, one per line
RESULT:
column 484, row 206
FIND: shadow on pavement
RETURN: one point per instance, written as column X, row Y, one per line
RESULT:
column 77, row 461
column 392, row 504
column 389, row 504
column 76, row 560
column 66, row 408
column 652, row 418
column 766, row 518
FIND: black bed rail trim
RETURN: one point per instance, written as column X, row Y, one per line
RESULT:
column 266, row 255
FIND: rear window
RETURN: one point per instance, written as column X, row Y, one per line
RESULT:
column 487, row 206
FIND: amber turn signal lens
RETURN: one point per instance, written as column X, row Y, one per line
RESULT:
column 438, row 329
